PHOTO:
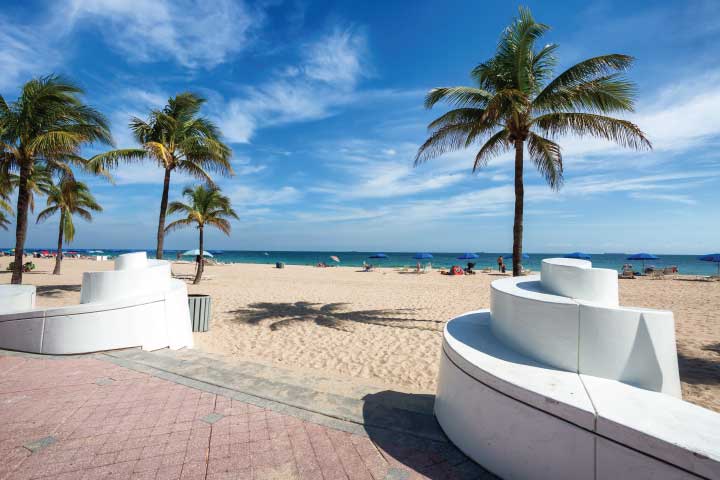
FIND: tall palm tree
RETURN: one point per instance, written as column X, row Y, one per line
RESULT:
column 515, row 102
column 206, row 206
column 45, row 127
column 68, row 198
column 178, row 139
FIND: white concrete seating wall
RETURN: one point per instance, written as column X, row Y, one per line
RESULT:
column 138, row 304
column 522, row 419
column 633, row 345
column 577, row 279
column 542, row 326
column 126, row 281
column 17, row 297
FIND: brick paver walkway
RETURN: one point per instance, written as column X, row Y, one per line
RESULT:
column 83, row 418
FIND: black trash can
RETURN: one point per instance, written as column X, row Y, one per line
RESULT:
column 200, row 311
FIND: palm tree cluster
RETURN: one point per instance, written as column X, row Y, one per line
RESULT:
column 41, row 137
column 516, row 103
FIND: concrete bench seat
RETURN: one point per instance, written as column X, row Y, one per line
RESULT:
column 136, row 305
column 522, row 419
column 558, row 381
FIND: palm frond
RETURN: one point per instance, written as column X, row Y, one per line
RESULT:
column 458, row 96
column 622, row 132
column 547, row 157
column 495, row 145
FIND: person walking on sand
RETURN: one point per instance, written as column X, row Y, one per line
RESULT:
column 501, row 264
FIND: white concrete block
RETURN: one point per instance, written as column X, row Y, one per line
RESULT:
column 544, row 327
column 616, row 462
column 507, row 437
column 635, row 346
column 24, row 335
column 574, row 278
column 16, row 297
column 471, row 345
column 662, row 426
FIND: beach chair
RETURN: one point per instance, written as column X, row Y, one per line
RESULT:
column 627, row 274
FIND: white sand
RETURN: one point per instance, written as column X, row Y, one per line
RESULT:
column 384, row 327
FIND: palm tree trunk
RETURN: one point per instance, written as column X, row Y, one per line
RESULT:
column 519, row 200
column 163, row 212
column 58, row 258
column 21, row 224
column 201, row 264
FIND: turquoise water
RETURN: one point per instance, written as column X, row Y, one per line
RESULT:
column 687, row 264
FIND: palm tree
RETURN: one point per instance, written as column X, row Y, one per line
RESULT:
column 178, row 140
column 514, row 102
column 207, row 207
column 45, row 127
column 68, row 198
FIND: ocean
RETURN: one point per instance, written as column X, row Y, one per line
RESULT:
column 687, row 264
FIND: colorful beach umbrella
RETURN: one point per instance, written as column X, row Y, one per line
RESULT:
column 196, row 252
column 334, row 258
column 423, row 256
column 468, row 256
column 712, row 257
column 579, row 255
column 378, row 255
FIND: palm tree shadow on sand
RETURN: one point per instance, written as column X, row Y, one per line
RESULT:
column 330, row 315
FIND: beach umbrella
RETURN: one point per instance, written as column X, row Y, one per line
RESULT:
column 423, row 256
column 580, row 255
column 642, row 257
column 196, row 252
column 468, row 256
column 378, row 255
column 334, row 258
column 712, row 257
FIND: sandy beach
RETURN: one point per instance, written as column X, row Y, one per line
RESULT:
column 383, row 327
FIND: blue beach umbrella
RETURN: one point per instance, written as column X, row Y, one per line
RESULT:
column 423, row 256
column 712, row 257
column 468, row 256
column 378, row 255
column 642, row 257
column 580, row 255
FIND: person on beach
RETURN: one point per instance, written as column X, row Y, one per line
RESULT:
column 501, row 264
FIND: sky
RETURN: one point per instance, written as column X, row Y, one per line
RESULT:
column 322, row 105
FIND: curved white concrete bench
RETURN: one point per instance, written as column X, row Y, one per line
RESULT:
column 522, row 419
column 136, row 305
column 558, row 381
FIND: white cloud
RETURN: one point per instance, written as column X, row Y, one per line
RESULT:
column 337, row 59
column 192, row 32
column 325, row 79
column 257, row 196
column 664, row 197
column 25, row 51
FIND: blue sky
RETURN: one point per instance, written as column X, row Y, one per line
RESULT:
column 321, row 103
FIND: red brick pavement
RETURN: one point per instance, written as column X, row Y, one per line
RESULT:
column 106, row 421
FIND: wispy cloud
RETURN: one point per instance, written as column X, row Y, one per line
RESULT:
column 193, row 33
column 325, row 78
column 25, row 51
